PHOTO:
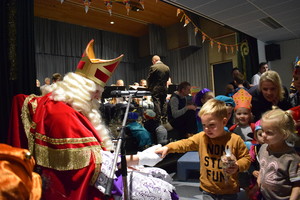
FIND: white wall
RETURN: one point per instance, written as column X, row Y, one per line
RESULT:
column 261, row 51
column 289, row 50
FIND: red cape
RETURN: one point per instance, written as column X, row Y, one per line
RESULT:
column 64, row 143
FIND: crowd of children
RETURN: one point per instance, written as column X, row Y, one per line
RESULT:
column 271, row 169
column 235, row 151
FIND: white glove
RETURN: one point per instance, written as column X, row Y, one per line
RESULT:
column 148, row 157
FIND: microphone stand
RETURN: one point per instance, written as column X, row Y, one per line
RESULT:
column 120, row 148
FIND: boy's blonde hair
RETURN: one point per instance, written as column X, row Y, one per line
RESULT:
column 273, row 77
column 214, row 107
column 284, row 122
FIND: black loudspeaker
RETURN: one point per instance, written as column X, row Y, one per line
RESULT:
column 272, row 52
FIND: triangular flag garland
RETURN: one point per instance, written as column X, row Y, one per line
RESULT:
column 109, row 4
column 205, row 37
column 185, row 18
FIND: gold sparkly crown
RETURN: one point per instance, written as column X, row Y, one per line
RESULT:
column 95, row 69
column 242, row 99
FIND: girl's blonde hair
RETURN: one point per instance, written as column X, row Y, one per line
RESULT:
column 283, row 121
column 273, row 77
column 214, row 107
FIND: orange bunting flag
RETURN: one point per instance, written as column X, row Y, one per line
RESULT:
column 231, row 49
column 203, row 38
column 142, row 4
column 237, row 47
column 178, row 12
column 196, row 31
column 108, row 5
column 219, row 46
column 186, row 21
column 211, row 44
column 226, row 48
column 86, row 5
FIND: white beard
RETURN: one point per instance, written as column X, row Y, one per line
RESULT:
column 78, row 91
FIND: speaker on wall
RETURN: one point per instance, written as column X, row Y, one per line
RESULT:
column 272, row 52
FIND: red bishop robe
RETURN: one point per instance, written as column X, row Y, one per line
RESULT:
column 64, row 143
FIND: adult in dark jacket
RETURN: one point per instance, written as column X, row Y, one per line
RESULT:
column 268, row 93
column 181, row 113
column 158, row 76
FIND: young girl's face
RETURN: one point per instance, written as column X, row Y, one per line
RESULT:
column 243, row 116
column 213, row 126
column 271, row 134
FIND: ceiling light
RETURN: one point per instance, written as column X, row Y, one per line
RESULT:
column 112, row 22
column 271, row 23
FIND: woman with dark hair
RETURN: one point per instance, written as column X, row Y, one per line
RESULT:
column 268, row 93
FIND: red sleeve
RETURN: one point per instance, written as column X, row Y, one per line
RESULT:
column 16, row 133
column 231, row 129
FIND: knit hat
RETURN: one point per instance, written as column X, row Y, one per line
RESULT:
column 149, row 114
column 242, row 99
column 257, row 125
column 200, row 95
column 226, row 99
column 97, row 70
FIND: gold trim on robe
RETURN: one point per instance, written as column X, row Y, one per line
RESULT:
column 59, row 141
column 66, row 159
column 27, row 121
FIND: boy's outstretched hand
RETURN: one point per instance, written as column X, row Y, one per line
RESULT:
column 149, row 157
column 162, row 151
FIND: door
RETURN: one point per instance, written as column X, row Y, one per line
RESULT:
column 221, row 76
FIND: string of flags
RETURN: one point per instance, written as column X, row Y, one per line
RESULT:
column 205, row 37
column 109, row 4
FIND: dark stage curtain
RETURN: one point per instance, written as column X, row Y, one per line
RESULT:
column 18, row 73
column 59, row 47
column 247, row 55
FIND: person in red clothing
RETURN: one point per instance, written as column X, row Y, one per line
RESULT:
column 64, row 130
column 243, row 128
column 254, row 193
column 243, row 116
